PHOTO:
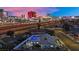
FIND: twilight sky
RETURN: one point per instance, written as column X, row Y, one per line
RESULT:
column 54, row 11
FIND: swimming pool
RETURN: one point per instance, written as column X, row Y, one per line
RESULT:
column 34, row 38
column 45, row 40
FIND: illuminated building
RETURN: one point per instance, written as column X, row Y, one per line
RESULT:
column 31, row 14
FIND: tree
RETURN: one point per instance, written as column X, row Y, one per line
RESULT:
column 66, row 27
column 10, row 33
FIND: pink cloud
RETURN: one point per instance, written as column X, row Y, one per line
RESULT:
column 23, row 10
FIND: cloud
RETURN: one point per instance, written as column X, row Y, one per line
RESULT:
column 23, row 10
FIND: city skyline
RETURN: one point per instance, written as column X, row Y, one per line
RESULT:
column 53, row 11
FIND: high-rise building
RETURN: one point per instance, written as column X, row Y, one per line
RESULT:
column 5, row 13
column 23, row 16
column 1, row 12
column 31, row 14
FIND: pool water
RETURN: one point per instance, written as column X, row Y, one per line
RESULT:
column 34, row 38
